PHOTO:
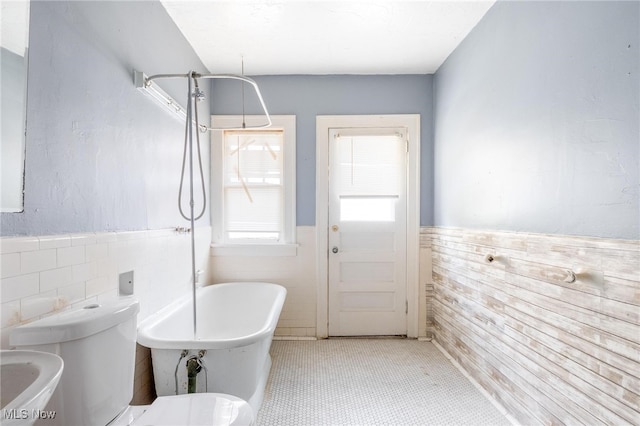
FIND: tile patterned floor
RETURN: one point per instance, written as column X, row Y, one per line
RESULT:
column 369, row 382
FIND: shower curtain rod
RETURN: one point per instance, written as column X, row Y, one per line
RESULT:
column 146, row 85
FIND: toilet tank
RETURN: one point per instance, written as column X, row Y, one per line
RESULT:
column 97, row 343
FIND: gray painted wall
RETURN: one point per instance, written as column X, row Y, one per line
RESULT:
column 100, row 155
column 537, row 121
column 309, row 96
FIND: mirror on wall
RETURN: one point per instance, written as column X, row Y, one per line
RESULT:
column 14, row 39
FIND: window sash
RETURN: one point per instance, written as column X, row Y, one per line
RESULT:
column 253, row 186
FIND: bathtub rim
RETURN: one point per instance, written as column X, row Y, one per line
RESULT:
column 145, row 338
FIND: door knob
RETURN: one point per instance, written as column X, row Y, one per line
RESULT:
column 335, row 249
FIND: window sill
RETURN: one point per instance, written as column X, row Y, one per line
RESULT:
column 254, row 249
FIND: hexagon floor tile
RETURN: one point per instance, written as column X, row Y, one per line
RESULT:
column 370, row 382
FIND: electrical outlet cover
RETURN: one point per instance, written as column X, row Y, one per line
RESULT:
column 126, row 283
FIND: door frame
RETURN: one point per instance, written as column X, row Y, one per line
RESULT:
column 323, row 123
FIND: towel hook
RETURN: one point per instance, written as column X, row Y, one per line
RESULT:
column 492, row 257
column 571, row 276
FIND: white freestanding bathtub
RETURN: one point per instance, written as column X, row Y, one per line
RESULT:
column 235, row 326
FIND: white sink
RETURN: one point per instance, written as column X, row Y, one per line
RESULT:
column 28, row 379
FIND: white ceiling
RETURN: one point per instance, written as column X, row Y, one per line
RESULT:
column 276, row 37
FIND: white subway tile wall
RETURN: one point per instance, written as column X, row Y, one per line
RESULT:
column 46, row 274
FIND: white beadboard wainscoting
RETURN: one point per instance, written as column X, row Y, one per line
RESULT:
column 548, row 350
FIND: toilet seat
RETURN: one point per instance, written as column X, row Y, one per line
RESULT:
column 128, row 415
column 197, row 409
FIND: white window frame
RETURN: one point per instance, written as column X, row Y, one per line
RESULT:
column 287, row 246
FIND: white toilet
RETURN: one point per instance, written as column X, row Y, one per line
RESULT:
column 98, row 344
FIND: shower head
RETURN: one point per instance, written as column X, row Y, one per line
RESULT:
column 197, row 93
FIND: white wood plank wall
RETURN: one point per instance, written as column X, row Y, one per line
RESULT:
column 551, row 352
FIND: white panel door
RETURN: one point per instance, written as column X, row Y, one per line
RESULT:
column 367, row 232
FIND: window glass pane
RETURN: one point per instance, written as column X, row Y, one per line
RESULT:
column 254, row 158
column 364, row 209
column 253, row 208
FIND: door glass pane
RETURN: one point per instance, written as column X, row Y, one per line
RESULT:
column 369, row 165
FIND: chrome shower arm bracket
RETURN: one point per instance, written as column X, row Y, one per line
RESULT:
column 155, row 92
column 146, row 85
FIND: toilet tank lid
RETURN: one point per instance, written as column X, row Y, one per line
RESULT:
column 75, row 324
